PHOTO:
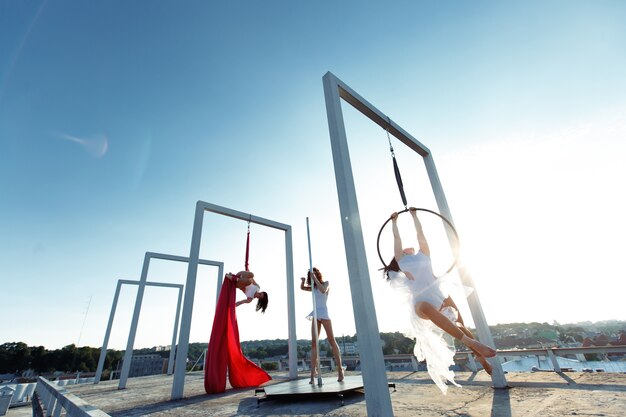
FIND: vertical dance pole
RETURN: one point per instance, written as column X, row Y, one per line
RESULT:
column 317, row 340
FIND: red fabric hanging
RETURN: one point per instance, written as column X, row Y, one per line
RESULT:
column 224, row 352
column 247, row 250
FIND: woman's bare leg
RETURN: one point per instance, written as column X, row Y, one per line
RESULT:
column 483, row 361
column 427, row 311
column 449, row 302
column 314, row 350
column 328, row 328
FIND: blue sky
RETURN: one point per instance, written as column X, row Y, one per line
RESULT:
column 116, row 117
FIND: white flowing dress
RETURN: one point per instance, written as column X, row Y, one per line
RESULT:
column 429, row 339
column 321, row 308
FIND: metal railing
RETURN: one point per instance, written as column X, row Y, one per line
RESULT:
column 51, row 401
column 551, row 353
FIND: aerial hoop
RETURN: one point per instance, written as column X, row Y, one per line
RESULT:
column 454, row 261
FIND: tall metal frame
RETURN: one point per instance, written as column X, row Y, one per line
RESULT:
column 178, row 387
column 372, row 364
column 128, row 354
column 107, row 334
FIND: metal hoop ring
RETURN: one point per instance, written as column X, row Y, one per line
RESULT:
column 417, row 209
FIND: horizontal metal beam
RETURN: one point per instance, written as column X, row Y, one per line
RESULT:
column 242, row 216
column 151, row 284
column 378, row 117
column 176, row 258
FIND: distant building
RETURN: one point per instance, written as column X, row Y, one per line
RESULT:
column 144, row 365
column 604, row 340
column 349, row 348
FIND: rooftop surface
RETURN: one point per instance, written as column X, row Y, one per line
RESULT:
column 544, row 394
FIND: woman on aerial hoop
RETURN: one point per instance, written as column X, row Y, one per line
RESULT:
column 323, row 319
column 246, row 283
column 412, row 272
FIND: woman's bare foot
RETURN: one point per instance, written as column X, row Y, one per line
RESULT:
column 340, row 376
column 482, row 350
column 486, row 365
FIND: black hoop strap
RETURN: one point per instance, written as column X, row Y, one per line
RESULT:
column 417, row 209
column 396, row 170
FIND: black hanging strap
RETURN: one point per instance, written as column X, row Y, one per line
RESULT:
column 396, row 170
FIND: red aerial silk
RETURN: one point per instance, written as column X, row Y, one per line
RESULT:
column 224, row 353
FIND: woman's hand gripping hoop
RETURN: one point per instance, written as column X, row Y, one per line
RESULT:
column 454, row 261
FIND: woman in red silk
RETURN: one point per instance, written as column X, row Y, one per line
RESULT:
column 224, row 354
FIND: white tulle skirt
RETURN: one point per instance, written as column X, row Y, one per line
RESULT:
column 430, row 343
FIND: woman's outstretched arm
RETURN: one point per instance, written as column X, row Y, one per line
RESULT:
column 246, row 301
column 397, row 241
column 421, row 238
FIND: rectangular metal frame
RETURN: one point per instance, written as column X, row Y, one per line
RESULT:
column 178, row 386
column 107, row 334
column 128, row 354
column 374, row 375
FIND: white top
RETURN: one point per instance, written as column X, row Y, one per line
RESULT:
column 250, row 290
column 321, row 307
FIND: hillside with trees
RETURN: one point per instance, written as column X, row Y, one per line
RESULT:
column 17, row 357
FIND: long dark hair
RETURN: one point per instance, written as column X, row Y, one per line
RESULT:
column 261, row 304
column 393, row 266
column 309, row 277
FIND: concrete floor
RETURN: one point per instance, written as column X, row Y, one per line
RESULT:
column 544, row 394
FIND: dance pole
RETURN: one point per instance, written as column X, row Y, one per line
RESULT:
column 317, row 344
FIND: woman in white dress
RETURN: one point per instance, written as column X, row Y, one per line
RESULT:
column 246, row 283
column 323, row 319
column 412, row 273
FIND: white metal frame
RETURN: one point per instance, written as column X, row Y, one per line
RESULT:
column 128, row 354
column 374, row 376
column 178, row 386
column 105, row 343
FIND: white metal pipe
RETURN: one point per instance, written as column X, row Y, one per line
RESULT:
column 314, row 323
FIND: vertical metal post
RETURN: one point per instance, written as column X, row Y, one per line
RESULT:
column 128, row 354
column 377, row 398
column 291, row 307
column 107, row 334
column 170, row 361
column 220, row 280
column 178, row 385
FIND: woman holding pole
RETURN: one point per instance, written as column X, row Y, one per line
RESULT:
column 316, row 280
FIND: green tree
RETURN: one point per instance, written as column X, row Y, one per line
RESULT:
column 14, row 356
